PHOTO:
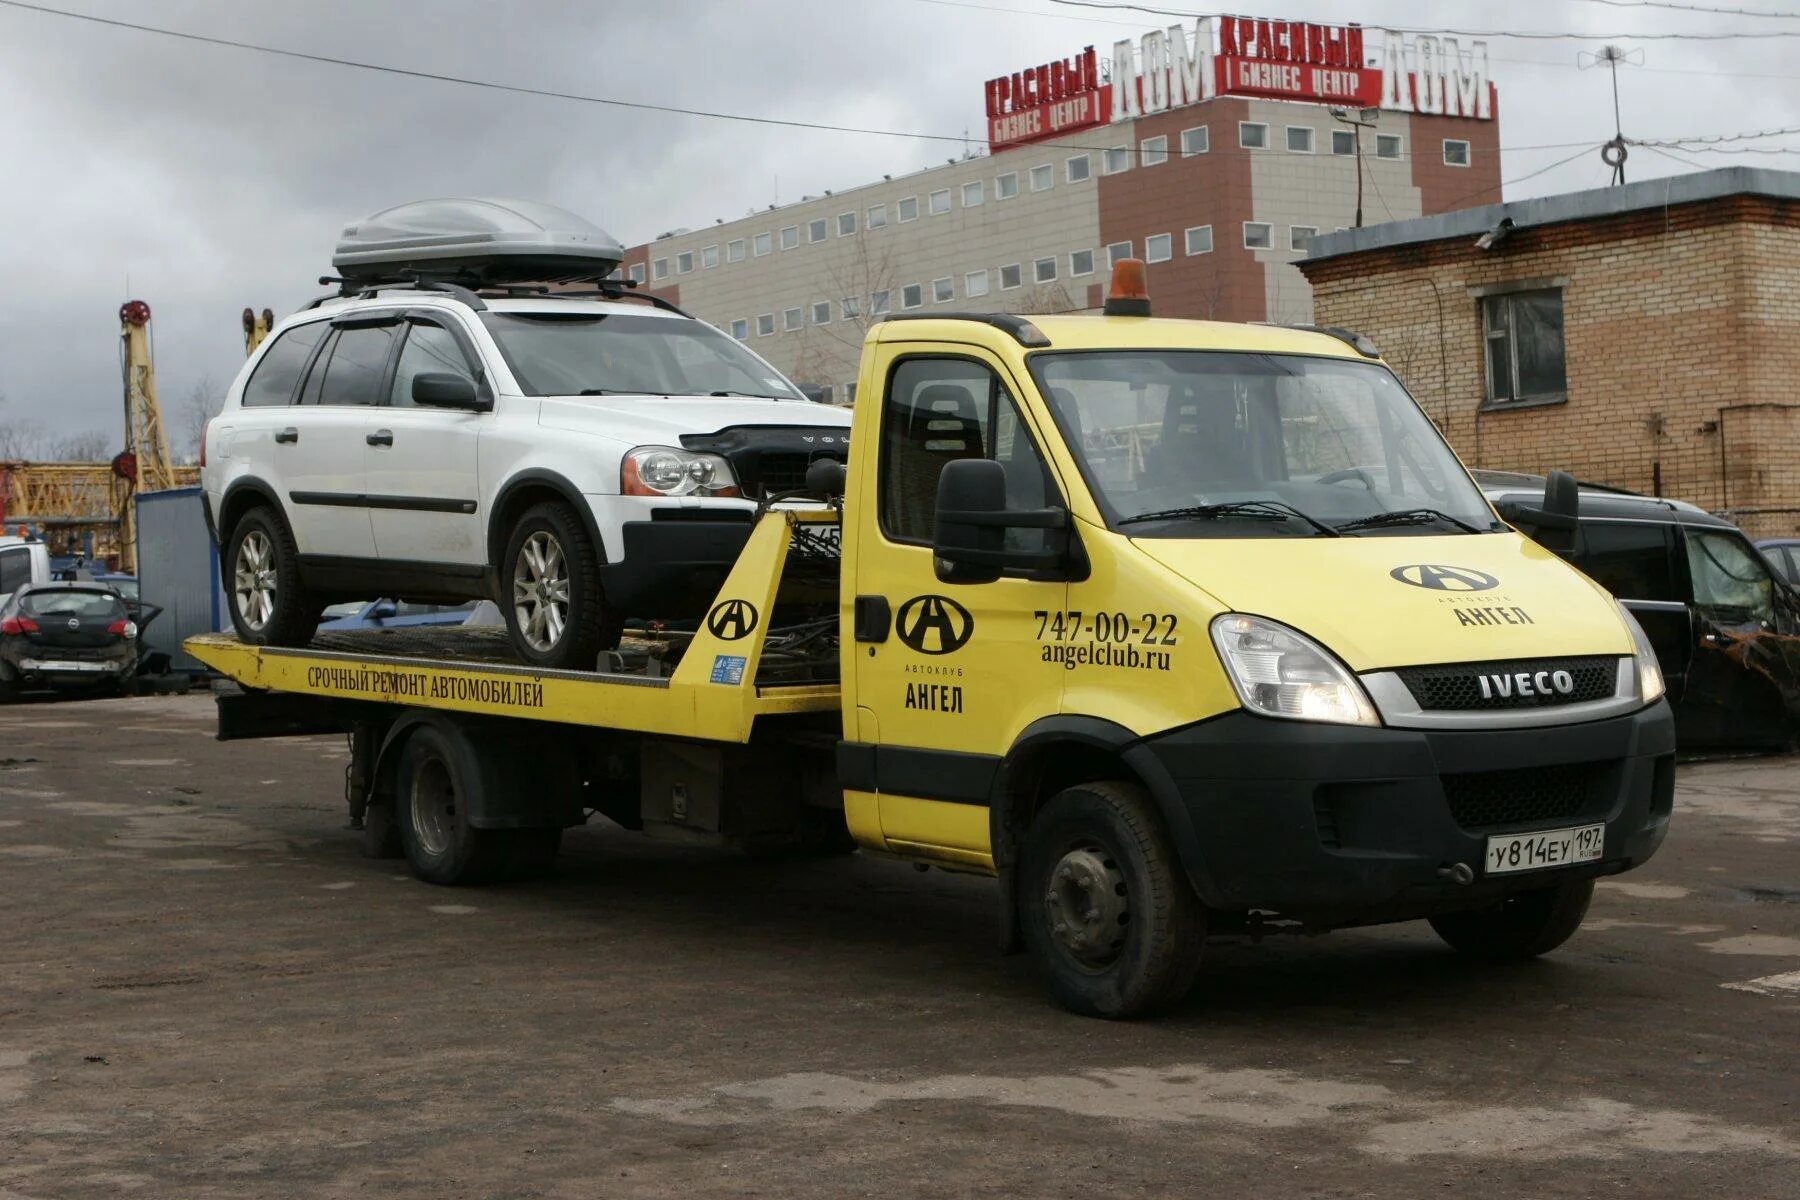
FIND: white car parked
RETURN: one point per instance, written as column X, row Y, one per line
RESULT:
column 580, row 458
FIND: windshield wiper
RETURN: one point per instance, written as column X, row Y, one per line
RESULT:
column 750, row 395
column 602, row 392
column 1255, row 510
column 1408, row 516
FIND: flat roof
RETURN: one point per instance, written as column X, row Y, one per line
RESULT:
column 1569, row 206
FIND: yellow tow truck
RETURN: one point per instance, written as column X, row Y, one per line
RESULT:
column 1172, row 627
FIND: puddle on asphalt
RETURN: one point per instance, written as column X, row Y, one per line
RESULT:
column 148, row 762
column 454, row 910
column 1590, row 1128
column 1769, row 945
column 1644, row 891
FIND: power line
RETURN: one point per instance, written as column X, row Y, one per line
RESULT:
column 1699, row 140
column 1670, row 6
column 1531, row 35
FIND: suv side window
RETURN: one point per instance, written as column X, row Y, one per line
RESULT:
column 937, row 411
column 1731, row 583
column 275, row 376
column 358, row 365
column 429, row 348
column 1630, row 561
column 15, row 568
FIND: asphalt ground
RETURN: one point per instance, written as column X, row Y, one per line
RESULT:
column 205, row 991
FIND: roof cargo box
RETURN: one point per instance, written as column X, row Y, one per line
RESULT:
column 483, row 241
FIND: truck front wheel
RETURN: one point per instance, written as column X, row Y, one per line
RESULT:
column 1522, row 926
column 1103, row 904
column 432, row 803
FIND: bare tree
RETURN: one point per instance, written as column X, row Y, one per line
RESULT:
column 87, row 446
column 1045, row 298
column 202, row 404
column 860, row 287
column 21, row 440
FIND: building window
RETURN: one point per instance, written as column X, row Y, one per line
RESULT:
column 1300, row 236
column 1199, row 239
column 1042, row 177
column 1081, row 262
column 1118, row 158
column 1524, row 333
column 1299, row 139
column 1195, row 141
column 790, row 237
column 1253, row 135
column 940, row 202
column 1116, row 251
column 637, row 272
column 1009, row 277
column 851, row 307
column 821, row 312
column 975, row 284
column 684, row 262
column 1159, row 247
column 709, row 257
column 1079, row 169
column 909, row 208
column 790, row 319
column 850, row 392
column 1258, row 235
column 659, row 269
column 1456, row 152
column 1153, row 152
column 943, row 290
column 847, row 224
column 1044, row 270
column 734, row 250
column 1343, row 141
column 740, row 329
column 765, row 325
column 972, row 194
column 880, row 303
column 1387, row 145
column 1006, row 186
column 877, row 217
column 912, row 296
column 816, row 231
column 763, row 244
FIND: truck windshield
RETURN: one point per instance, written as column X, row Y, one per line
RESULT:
column 1217, row 444
column 598, row 353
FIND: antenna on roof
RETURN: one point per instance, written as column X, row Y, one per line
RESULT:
column 1614, row 153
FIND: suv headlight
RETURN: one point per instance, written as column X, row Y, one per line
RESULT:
column 1279, row 672
column 1649, row 671
column 667, row 471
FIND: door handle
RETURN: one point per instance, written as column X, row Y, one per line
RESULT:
column 871, row 618
column 290, row 434
column 381, row 437
column 1714, row 641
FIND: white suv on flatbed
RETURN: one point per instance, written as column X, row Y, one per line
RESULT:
column 580, row 458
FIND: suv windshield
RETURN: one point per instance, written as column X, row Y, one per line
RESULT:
column 1219, row 444
column 572, row 353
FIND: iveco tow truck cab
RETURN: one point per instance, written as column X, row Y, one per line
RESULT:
column 1172, row 626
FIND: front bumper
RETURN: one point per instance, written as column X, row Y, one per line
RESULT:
column 673, row 566
column 1337, row 824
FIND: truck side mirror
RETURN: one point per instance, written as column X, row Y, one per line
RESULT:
column 447, row 389
column 1553, row 525
column 972, row 520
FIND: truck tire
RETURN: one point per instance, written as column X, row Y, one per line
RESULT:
column 261, row 571
column 1104, row 906
column 1522, row 926
column 434, row 794
column 550, row 591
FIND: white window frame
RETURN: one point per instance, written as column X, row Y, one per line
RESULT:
column 687, row 257
column 975, row 284
column 792, row 319
column 876, row 217
column 1124, row 156
column 850, row 308
column 843, row 217
column 1294, row 232
column 1018, row 275
column 1205, row 132
column 1046, row 171
column 762, row 243
column 1000, row 192
column 1311, row 139
column 1087, row 168
column 822, row 225
column 744, row 322
column 765, row 324
column 943, row 289
column 1468, row 152
column 735, row 250
column 788, row 243
column 900, row 209
column 1262, row 125
column 1075, row 271
column 1115, row 251
column 916, row 288
column 1153, row 152
column 1168, row 247
column 636, row 274
column 931, row 202
column 1399, row 146
column 709, row 257
column 1187, row 239
column 817, row 305
column 881, row 303
column 659, row 268
column 1268, row 233
column 1348, row 137
column 980, row 193
column 1037, row 270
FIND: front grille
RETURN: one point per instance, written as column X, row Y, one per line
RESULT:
column 780, row 472
column 1531, row 795
column 1458, row 687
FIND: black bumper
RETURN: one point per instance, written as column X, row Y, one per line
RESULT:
column 672, row 568
column 1338, row 824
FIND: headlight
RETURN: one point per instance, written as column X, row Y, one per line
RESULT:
column 1280, row 673
column 1649, row 671
column 666, row 471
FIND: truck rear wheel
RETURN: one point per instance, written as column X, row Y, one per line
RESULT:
column 1104, row 906
column 432, row 803
column 1522, row 926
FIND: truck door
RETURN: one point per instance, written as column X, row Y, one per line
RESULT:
column 946, row 674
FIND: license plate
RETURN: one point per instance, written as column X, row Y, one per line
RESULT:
column 31, row 665
column 1511, row 852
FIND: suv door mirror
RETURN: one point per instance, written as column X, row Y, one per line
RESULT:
column 969, row 544
column 1553, row 524
column 447, row 389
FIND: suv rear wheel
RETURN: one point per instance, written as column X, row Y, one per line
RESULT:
column 262, row 580
column 551, row 583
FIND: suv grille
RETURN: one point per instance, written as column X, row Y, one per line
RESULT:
column 1459, row 686
column 780, row 472
column 1486, row 799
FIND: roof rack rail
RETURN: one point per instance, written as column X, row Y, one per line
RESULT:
column 1356, row 341
column 1021, row 328
column 406, row 283
column 604, row 289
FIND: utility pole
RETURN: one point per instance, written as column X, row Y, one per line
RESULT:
column 1365, row 120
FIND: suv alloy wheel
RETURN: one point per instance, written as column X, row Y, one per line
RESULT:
column 269, row 607
column 550, row 585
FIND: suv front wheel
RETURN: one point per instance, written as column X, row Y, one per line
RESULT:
column 262, row 583
column 550, row 580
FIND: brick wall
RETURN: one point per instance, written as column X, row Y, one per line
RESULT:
column 1681, row 338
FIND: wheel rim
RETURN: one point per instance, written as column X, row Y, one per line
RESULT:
column 541, row 590
column 1087, row 907
column 433, row 802
column 253, row 579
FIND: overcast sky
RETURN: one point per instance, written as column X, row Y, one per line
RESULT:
column 202, row 179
